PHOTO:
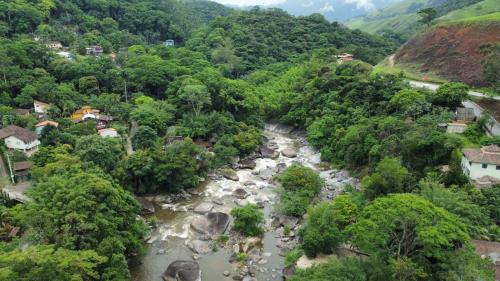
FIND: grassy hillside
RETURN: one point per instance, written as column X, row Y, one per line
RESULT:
column 402, row 18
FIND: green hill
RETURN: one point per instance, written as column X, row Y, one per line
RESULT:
column 402, row 18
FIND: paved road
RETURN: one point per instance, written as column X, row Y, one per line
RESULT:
column 433, row 87
column 493, row 125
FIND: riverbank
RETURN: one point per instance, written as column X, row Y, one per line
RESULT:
column 176, row 238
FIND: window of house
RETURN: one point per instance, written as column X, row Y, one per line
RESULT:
column 498, row 167
column 485, row 166
column 470, row 163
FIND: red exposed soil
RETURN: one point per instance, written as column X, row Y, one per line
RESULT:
column 453, row 52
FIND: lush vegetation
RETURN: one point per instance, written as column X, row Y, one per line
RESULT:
column 248, row 220
column 183, row 111
column 300, row 186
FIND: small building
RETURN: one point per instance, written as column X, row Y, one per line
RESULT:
column 456, row 128
column 345, row 57
column 169, row 43
column 94, row 50
column 17, row 138
column 464, row 114
column 478, row 163
column 40, row 107
column 40, row 126
column 22, row 169
column 84, row 113
column 22, row 111
column 489, row 250
column 55, row 45
column 89, row 113
column 108, row 133
column 65, row 55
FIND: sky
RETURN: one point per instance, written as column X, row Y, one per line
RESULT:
column 250, row 2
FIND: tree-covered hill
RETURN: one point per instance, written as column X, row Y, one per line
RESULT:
column 117, row 23
column 248, row 40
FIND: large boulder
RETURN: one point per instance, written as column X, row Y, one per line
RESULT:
column 230, row 175
column 211, row 224
column 203, row 208
column 199, row 247
column 289, row 152
column 288, row 271
column 268, row 152
column 247, row 164
column 147, row 207
column 183, row 271
column 240, row 193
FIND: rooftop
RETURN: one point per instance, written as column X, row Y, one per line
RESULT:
column 487, row 154
column 21, row 133
column 45, row 123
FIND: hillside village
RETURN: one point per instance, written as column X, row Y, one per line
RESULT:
column 187, row 141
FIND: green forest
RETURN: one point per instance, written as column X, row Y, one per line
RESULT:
column 228, row 74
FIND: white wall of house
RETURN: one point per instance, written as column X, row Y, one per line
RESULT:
column 14, row 143
column 108, row 133
column 476, row 170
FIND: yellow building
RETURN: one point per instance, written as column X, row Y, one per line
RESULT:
column 84, row 113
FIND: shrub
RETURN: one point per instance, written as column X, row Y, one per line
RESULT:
column 248, row 220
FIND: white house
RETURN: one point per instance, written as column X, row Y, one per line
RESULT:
column 17, row 138
column 40, row 107
column 482, row 164
column 108, row 132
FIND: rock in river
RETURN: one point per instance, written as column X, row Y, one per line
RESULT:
column 199, row 247
column 267, row 152
column 203, row 208
column 289, row 152
column 247, row 164
column 147, row 207
column 240, row 193
column 183, row 271
column 230, row 175
column 211, row 224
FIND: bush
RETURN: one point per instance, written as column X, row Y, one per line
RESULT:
column 300, row 186
column 320, row 233
column 248, row 220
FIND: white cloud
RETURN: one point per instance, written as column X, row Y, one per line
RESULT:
column 249, row 2
column 327, row 8
column 366, row 5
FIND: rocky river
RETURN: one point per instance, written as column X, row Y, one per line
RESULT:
column 187, row 224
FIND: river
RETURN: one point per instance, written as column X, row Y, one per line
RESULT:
column 169, row 240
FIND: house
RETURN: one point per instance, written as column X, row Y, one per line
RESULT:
column 22, row 169
column 456, row 127
column 480, row 163
column 345, row 57
column 40, row 107
column 491, row 251
column 87, row 112
column 169, row 43
column 95, row 50
column 464, row 114
column 40, row 126
column 55, row 45
column 17, row 138
column 108, row 133
column 22, row 111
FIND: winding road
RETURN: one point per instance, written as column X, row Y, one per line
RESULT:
column 433, row 87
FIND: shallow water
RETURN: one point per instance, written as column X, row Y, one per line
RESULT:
column 168, row 241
